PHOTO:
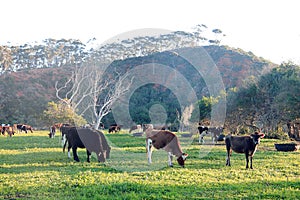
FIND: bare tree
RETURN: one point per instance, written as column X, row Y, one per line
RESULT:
column 184, row 118
column 92, row 95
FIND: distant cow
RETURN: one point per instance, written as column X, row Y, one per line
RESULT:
column 114, row 128
column 7, row 128
column 243, row 144
column 52, row 131
column 216, row 133
column 24, row 127
column 203, row 130
column 136, row 128
column 92, row 140
column 162, row 139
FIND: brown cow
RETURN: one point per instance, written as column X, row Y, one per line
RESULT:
column 162, row 139
column 114, row 128
column 7, row 128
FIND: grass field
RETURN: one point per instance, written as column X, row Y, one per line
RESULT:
column 33, row 166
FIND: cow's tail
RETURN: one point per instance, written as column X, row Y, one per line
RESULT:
column 64, row 147
column 228, row 142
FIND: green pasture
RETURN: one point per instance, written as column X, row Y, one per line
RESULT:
column 33, row 166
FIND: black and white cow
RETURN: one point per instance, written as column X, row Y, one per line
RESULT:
column 24, row 127
column 203, row 130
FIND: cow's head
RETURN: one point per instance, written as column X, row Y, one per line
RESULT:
column 147, row 126
column 181, row 159
column 256, row 137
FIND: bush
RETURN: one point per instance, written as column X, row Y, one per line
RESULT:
column 277, row 135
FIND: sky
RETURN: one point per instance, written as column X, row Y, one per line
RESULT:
column 268, row 28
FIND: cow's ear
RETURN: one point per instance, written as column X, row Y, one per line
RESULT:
column 185, row 155
column 262, row 135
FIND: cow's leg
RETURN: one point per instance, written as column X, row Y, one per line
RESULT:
column 247, row 160
column 88, row 153
column 228, row 158
column 63, row 139
column 74, row 149
column 251, row 162
column 201, row 138
column 170, row 158
column 69, row 148
column 228, row 149
column 149, row 149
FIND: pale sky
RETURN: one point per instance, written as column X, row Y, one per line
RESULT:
column 268, row 28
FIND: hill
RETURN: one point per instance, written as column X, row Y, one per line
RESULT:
column 25, row 93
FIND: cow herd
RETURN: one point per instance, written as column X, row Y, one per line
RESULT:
column 15, row 128
column 159, row 138
column 95, row 141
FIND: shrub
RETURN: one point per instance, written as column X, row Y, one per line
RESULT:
column 277, row 135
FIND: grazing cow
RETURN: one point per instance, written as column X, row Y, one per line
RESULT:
column 24, row 127
column 136, row 127
column 162, row 139
column 203, row 130
column 52, row 131
column 114, row 128
column 7, row 128
column 216, row 133
column 243, row 144
column 60, row 125
column 92, row 140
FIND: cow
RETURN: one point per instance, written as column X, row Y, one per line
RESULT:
column 92, row 140
column 7, row 128
column 166, row 140
column 24, row 127
column 243, row 144
column 136, row 128
column 216, row 133
column 114, row 128
column 52, row 131
column 60, row 125
column 203, row 130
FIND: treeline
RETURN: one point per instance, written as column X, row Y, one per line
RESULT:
column 269, row 102
column 71, row 52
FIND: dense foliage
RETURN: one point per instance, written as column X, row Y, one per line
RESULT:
column 268, row 102
column 61, row 113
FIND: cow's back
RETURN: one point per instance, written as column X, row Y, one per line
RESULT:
column 95, row 141
column 162, row 138
column 73, row 137
column 239, row 144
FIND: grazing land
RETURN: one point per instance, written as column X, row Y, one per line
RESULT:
column 33, row 166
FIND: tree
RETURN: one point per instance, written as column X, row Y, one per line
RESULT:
column 62, row 113
column 5, row 58
column 91, row 95
column 269, row 102
column 204, row 107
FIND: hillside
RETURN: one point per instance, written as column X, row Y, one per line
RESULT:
column 25, row 93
